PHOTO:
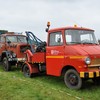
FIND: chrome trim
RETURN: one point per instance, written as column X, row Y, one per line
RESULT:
column 21, row 59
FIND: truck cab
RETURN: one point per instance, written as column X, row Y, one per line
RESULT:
column 73, row 50
column 12, row 47
column 70, row 44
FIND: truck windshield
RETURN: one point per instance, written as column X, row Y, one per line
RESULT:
column 19, row 39
column 80, row 37
column 22, row 39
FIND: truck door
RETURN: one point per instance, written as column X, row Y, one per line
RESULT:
column 54, row 53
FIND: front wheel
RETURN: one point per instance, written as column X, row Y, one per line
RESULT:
column 6, row 64
column 26, row 71
column 72, row 79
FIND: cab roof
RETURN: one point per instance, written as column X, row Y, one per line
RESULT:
column 12, row 34
column 70, row 28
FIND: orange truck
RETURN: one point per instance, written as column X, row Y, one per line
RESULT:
column 70, row 51
column 12, row 47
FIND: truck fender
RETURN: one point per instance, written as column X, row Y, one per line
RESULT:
column 33, row 69
column 65, row 68
column 28, row 55
column 5, row 54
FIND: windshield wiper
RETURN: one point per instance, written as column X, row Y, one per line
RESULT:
column 88, row 43
column 74, row 43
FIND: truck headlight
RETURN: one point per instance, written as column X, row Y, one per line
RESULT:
column 87, row 60
column 13, row 54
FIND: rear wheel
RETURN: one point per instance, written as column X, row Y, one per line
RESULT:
column 72, row 79
column 6, row 64
column 26, row 71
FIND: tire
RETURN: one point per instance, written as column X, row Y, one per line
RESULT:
column 26, row 71
column 72, row 79
column 6, row 64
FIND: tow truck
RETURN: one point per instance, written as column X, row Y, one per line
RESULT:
column 72, row 52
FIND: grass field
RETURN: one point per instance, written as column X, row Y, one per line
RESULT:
column 14, row 86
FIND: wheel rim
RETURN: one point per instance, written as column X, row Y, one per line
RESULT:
column 73, row 79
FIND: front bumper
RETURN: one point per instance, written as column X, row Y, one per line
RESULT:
column 12, row 59
column 92, row 74
column 16, row 59
column 21, row 59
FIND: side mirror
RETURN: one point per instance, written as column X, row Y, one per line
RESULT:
column 46, row 29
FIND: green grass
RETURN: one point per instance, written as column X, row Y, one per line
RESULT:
column 14, row 86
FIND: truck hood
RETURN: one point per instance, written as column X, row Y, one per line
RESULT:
column 86, row 49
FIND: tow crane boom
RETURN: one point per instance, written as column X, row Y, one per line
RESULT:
column 33, row 40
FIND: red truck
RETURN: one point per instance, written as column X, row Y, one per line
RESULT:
column 12, row 48
column 70, row 51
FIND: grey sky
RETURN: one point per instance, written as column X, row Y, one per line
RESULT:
column 32, row 15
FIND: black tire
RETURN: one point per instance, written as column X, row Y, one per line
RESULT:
column 26, row 71
column 72, row 79
column 6, row 64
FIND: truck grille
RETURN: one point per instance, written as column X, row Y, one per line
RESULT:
column 95, row 63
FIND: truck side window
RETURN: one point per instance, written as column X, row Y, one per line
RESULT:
column 2, row 39
column 55, row 39
column 11, row 38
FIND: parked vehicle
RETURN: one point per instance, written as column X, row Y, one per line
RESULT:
column 12, row 47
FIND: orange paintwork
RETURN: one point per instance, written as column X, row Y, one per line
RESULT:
column 36, row 57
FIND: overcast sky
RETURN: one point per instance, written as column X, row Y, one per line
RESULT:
column 32, row 15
